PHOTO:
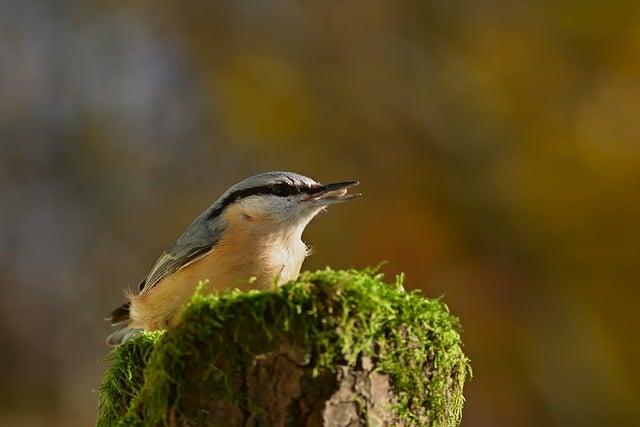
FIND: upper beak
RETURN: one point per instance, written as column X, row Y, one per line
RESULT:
column 333, row 193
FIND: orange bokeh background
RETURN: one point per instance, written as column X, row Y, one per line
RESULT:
column 498, row 145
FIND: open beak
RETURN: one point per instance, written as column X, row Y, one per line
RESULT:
column 330, row 194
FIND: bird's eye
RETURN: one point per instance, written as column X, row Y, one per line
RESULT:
column 282, row 190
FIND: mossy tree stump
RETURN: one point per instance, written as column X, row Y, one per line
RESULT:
column 334, row 348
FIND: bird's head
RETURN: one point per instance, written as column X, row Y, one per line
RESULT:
column 281, row 198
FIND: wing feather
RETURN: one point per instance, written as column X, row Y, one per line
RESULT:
column 199, row 239
column 173, row 260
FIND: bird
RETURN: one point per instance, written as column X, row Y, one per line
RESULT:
column 249, row 238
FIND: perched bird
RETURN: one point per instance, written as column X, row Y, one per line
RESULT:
column 250, row 238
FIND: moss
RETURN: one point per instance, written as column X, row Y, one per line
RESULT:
column 337, row 315
column 125, row 377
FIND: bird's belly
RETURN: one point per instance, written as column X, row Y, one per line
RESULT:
column 288, row 267
column 161, row 305
column 284, row 261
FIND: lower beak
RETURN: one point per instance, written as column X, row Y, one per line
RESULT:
column 330, row 194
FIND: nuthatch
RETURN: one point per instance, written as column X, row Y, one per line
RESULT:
column 250, row 238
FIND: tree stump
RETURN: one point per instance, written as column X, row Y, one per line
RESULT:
column 333, row 348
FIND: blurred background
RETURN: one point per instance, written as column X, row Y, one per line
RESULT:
column 498, row 145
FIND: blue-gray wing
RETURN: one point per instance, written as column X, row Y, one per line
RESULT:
column 197, row 241
column 172, row 261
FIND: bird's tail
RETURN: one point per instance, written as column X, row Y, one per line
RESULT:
column 121, row 336
column 120, row 317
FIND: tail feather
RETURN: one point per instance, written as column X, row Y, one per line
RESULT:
column 119, row 315
column 121, row 336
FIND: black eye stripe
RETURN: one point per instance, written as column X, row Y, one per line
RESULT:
column 281, row 189
column 284, row 190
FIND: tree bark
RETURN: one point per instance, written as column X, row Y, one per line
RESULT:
column 283, row 382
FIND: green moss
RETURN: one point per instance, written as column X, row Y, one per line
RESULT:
column 337, row 315
column 125, row 377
